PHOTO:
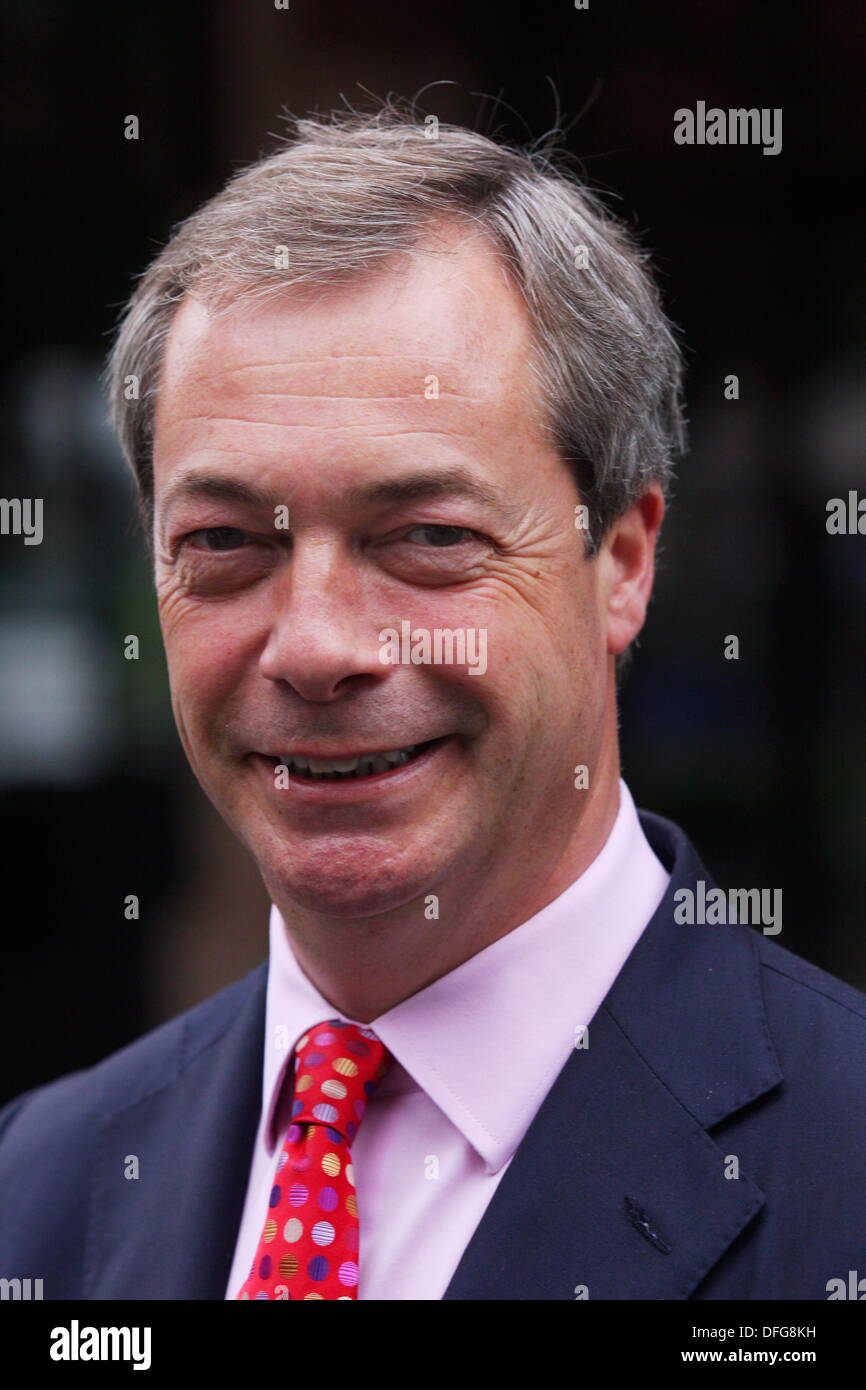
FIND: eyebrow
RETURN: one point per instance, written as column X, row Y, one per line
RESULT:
column 454, row 481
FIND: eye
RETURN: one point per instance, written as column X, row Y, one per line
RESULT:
column 435, row 553
column 217, row 538
column 445, row 537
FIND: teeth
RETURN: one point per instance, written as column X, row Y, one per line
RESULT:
column 359, row 767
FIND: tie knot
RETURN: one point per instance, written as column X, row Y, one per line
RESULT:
column 338, row 1066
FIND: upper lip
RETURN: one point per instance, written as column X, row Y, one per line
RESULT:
column 333, row 753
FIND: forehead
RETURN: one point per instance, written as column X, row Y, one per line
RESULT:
column 446, row 309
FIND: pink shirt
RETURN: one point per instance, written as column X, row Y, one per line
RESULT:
column 475, row 1054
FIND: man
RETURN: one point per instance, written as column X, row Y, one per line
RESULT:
column 402, row 413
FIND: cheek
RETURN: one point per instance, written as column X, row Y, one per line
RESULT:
column 203, row 670
column 208, row 648
column 569, row 669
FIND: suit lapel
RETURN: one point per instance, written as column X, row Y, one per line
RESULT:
column 170, row 1232
column 617, row 1190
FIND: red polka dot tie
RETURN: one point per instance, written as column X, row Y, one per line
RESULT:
column 310, row 1242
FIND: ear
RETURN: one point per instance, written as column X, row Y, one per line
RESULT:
column 627, row 568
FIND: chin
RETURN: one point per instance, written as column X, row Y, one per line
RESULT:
column 345, row 903
column 345, row 883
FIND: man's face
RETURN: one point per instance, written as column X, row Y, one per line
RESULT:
column 354, row 414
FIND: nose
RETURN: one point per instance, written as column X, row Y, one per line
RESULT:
column 319, row 640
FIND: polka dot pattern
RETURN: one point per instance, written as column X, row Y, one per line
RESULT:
column 309, row 1243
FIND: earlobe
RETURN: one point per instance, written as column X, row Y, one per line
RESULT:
column 630, row 559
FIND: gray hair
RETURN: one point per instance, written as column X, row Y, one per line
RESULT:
column 343, row 194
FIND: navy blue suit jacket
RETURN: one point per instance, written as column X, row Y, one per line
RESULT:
column 715, row 1051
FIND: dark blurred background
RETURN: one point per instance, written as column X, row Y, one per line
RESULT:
column 762, row 264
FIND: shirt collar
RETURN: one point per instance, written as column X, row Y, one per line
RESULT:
column 487, row 1040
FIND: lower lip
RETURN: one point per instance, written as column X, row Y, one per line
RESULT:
column 357, row 788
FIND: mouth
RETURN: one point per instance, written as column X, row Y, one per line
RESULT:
column 362, row 767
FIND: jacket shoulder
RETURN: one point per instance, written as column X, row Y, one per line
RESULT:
column 798, row 996
column 50, row 1137
column 818, row 1024
column 808, row 988
column 140, row 1068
